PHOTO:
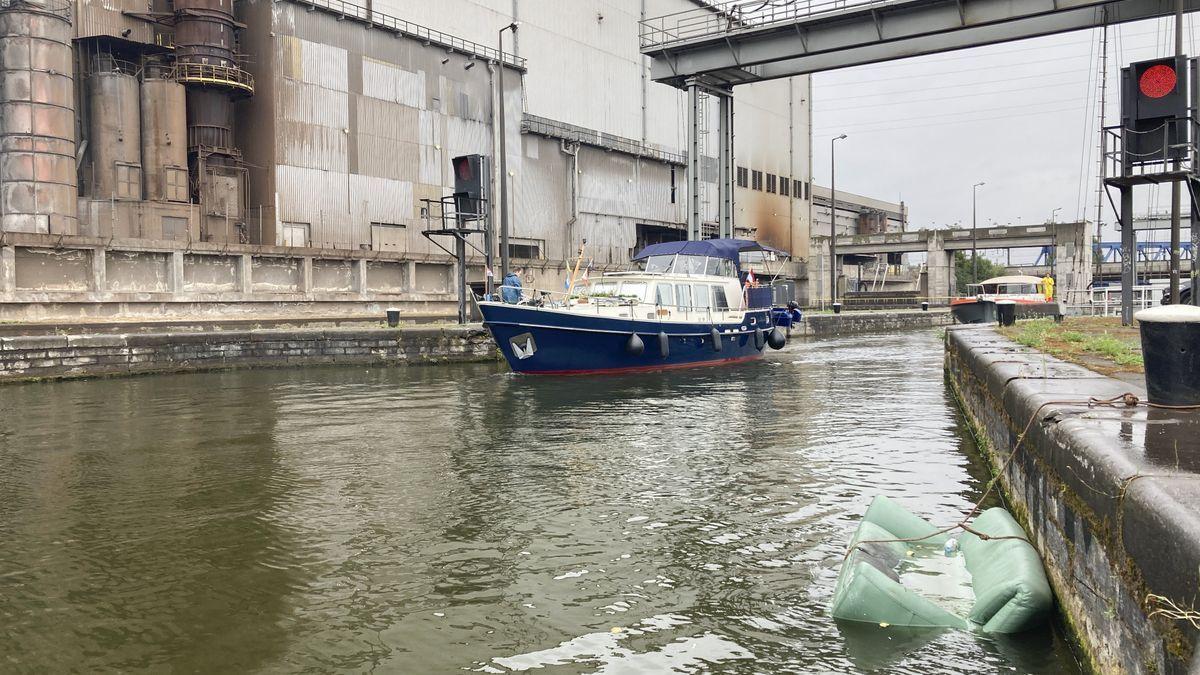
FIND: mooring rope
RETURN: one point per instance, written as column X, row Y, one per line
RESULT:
column 1128, row 400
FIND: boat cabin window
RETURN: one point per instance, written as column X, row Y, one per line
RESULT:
column 719, row 300
column 700, row 295
column 659, row 264
column 635, row 290
column 664, row 295
column 603, row 288
column 683, row 296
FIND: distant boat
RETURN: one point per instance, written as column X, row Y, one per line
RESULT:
column 979, row 305
column 691, row 304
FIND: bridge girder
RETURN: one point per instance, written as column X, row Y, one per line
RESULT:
column 876, row 32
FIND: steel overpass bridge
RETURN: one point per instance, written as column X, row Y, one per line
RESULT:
column 1071, row 243
column 710, row 50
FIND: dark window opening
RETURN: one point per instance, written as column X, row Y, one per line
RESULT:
column 783, row 186
column 656, row 234
column 743, row 177
column 756, row 180
column 798, row 189
column 771, row 183
column 672, row 185
column 530, row 249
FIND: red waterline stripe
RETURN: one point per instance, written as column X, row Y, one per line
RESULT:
column 642, row 369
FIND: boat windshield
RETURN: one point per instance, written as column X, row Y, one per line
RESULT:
column 689, row 264
column 659, row 264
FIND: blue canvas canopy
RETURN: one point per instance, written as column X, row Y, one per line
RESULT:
column 715, row 248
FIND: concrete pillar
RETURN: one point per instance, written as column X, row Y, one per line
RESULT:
column 410, row 281
column 939, row 270
column 245, row 273
column 99, row 270
column 306, row 282
column 177, row 271
column 8, row 269
column 1072, row 261
column 360, row 276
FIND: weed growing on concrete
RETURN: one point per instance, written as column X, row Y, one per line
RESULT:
column 1097, row 343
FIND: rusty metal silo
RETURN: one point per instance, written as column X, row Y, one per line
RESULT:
column 164, row 136
column 206, row 64
column 38, row 191
column 114, row 131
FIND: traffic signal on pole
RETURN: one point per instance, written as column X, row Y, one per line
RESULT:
column 470, row 183
column 1153, row 97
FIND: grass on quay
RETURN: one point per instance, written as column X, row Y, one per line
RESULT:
column 1099, row 343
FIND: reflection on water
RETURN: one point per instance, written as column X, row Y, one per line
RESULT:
column 461, row 518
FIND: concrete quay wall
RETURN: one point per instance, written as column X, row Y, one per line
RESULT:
column 38, row 357
column 1110, row 495
column 850, row 323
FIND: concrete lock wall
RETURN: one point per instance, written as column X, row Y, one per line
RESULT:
column 43, row 279
column 61, row 356
column 1108, row 495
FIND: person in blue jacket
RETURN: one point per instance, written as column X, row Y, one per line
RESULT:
column 511, row 291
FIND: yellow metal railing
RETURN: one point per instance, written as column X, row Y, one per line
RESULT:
column 215, row 75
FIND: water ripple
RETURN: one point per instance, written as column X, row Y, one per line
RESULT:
column 461, row 518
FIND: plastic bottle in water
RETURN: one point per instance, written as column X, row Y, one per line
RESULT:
column 951, row 547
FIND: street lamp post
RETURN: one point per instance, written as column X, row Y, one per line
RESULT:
column 833, row 218
column 974, row 252
column 1054, row 215
column 503, row 155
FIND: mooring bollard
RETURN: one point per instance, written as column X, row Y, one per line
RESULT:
column 1006, row 312
column 837, row 308
column 1171, row 352
column 924, row 306
column 393, row 317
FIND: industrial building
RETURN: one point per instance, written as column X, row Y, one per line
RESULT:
column 169, row 155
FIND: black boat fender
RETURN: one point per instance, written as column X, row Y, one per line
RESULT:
column 716, row 338
column 776, row 339
column 634, row 345
column 664, row 344
column 759, row 339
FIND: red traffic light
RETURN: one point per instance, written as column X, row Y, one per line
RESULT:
column 1158, row 81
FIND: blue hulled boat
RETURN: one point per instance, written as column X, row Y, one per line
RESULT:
column 691, row 304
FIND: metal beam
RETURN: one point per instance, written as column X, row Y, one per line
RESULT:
column 857, row 36
column 695, row 213
column 725, row 157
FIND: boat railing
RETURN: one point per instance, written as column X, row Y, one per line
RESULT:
column 545, row 299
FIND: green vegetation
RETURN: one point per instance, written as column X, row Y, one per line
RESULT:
column 963, row 270
column 1101, row 344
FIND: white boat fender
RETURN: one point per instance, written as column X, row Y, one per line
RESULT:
column 634, row 345
column 716, row 338
column 759, row 338
column 776, row 338
column 663, row 345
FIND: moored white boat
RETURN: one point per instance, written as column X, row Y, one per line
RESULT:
column 690, row 305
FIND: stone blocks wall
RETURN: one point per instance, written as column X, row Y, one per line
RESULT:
column 1110, row 495
column 851, row 323
column 67, row 356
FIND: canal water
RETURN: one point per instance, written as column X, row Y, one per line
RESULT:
column 462, row 519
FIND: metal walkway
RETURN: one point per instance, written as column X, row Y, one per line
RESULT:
column 743, row 41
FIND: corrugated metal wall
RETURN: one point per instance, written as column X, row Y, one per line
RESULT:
column 368, row 123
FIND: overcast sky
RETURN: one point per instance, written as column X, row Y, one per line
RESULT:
column 1020, row 116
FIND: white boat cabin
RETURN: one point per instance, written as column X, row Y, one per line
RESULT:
column 1019, row 288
